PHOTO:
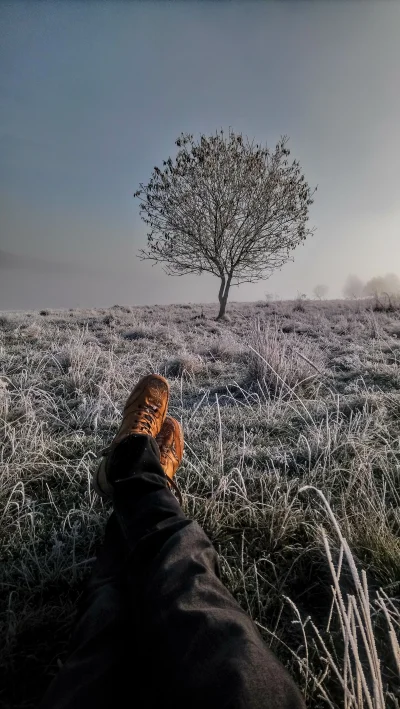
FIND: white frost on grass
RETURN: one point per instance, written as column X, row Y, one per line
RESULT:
column 274, row 399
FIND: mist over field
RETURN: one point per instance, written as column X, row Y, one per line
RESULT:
column 94, row 95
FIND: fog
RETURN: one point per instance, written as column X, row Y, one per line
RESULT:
column 94, row 95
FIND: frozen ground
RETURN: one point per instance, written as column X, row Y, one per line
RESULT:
column 280, row 396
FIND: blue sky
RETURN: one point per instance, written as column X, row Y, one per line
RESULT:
column 94, row 94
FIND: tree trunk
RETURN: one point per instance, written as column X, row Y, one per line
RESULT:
column 223, row 295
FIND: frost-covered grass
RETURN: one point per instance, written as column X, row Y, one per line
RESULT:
column 292, row 464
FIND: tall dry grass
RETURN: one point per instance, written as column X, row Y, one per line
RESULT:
column 291, row 426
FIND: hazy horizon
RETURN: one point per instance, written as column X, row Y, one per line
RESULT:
column 93, row 95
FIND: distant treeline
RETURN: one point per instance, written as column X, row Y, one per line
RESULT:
column 379, row 285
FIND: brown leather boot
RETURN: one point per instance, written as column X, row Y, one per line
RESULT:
column 144, row 413
column 170, row 442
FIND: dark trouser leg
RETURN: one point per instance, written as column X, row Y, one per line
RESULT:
column 194, row 644
column 94, row 673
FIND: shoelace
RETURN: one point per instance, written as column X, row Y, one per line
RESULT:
column 173, row 484
column 146, row 412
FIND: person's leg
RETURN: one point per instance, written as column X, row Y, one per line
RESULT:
column 95, row 671
column 166, row 630
column 202, row 648
column 104, row 651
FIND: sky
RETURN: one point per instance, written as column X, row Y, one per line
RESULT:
column 94, row 94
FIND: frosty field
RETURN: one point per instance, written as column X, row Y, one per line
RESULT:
column 279, row 397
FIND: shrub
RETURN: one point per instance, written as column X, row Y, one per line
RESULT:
column 4, row 322
column 140, row 333
column 227, row 349
column 183, row 364
column 278, row 367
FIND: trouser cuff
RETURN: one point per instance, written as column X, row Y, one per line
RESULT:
column 135, row 454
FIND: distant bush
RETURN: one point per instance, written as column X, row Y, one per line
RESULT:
column 320, row 291
column 4, row 321
column 299, row 304
column 354, row 287
column 199, row 317
column 122, row 308
column 44, row 312
column 278, row 368
column 32, row 331
column 383, row 285
column 386, row 303
column 63, row 359
column 140, row 333
column 183, row 364
column 227, row 348
column 378, row 286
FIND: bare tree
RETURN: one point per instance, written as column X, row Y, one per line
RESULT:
column 389, row 284
column 375, row 286
column 320, row 291
column 354, row 287
column 392, row 282
column 225, row 206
